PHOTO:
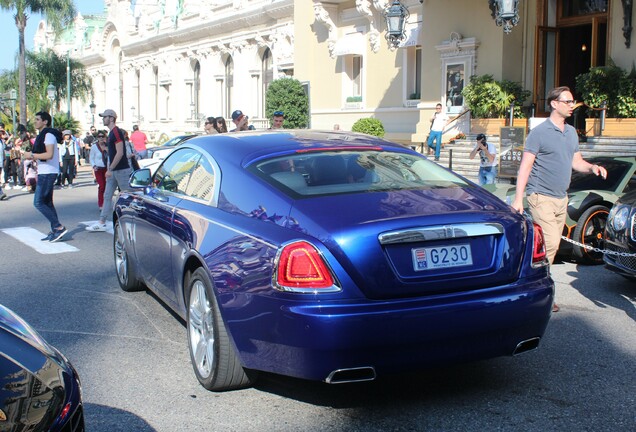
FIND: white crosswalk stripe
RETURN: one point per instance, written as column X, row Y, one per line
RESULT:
column 32, row 238
column 109, row 225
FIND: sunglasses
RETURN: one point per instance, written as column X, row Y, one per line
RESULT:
column 101, row 136
column 279, row 113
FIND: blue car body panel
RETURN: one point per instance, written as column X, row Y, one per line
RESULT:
column 386, row 315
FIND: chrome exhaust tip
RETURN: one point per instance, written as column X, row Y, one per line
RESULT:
column 351, row 375
column 526, row 345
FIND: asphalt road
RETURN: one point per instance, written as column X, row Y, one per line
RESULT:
column 132, row 356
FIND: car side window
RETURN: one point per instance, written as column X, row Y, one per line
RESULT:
column 201, row 185
column 173, row 175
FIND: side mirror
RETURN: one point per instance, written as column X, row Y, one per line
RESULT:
column 140, row 179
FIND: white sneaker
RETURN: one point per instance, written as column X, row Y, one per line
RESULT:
column 98, row 227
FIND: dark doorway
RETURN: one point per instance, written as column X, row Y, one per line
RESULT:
column 575, row 47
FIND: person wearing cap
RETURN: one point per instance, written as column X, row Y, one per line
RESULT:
column 46, row 154
column 68, row 158
column 278, row 119
column 240, row 121
column 118, row 170
column 487, row 160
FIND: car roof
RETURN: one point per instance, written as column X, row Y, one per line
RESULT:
column 244, row 148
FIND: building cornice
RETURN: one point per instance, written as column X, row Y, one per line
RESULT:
column 246, row 18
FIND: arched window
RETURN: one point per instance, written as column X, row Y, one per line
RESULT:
column 229, row 85
column 155, row 93
column 267, row 72
column 196, row 86
column 120, row 71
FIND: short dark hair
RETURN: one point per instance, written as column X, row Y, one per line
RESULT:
column 44, row 116
column 481, row 136
column 135, row 128
column 556, row 92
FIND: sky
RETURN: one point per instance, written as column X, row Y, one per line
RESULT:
column 9, row 46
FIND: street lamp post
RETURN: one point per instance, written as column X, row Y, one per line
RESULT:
column 92, row 106
column 50, row 93
column 68, row 85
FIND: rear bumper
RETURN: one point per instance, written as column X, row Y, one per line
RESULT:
column 311, row 340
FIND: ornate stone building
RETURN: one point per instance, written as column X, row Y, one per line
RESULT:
column 168, row 64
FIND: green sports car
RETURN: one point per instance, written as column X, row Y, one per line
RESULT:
column 590, row 200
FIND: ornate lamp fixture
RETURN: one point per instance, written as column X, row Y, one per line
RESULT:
column 92, row 107
column 396, row 16
column 505, row 13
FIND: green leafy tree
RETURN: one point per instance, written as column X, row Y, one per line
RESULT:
column 609, row 84
column 46, row 68
column 57, row 13
column 489, row 98
column 370, row 126
column 62, row 122
column 288, row 95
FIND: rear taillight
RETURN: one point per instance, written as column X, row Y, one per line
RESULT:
column 538, row 248
column 301, row 268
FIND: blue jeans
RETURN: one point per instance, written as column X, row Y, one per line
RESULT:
column 432, row 138
column 118, row 179
column 43, row 199
column 487, row 175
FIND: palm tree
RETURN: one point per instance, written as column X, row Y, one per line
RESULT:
column 57, row 13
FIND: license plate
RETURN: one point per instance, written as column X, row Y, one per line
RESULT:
column 437, row 257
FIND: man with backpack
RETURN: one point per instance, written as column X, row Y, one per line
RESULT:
column 118, row 170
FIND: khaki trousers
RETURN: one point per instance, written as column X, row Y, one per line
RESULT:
column 549, row 213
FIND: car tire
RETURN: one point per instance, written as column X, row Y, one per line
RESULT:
column 589, row 230
column 126, row 275
column 213, row 357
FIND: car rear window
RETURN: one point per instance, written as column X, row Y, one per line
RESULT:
column 316, row 173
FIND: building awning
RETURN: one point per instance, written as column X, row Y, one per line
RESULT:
column 353, row 43
column 412, row 36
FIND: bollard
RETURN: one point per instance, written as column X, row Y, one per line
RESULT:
column 512, row 114
column 450, row 159
column 603, row 110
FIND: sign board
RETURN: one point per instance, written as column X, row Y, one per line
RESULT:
column 512, row 140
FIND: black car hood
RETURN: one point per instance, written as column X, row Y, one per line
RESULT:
column 33, row 376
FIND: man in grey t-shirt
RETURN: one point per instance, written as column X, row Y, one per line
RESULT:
column 550, row 154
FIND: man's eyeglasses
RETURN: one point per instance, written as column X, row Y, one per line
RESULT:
column 278, row 113
column 567, row 102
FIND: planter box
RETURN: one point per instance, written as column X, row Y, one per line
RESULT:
column 486, row 126
column 614, row 127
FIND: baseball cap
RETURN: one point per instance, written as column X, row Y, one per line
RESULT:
column 108, row 113
column 66, row 132
column 237, row 114
column 480, row 137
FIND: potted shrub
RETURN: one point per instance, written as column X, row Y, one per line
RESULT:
column 370, row 126
column 489, row 101
column 614, row 87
